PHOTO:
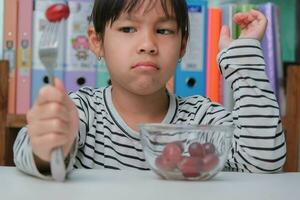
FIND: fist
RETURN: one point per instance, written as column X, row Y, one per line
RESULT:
column 52, row 122
column 253, row 25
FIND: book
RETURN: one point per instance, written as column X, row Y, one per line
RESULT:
column 24, row 56
column 213, row 75
column 190, row 72
column 80, row 67
column 102, row 74
column 1, row 27
column 228, row 11
column 10, row 47
column 269, row 46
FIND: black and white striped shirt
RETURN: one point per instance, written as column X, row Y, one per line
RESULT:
column 106, row 141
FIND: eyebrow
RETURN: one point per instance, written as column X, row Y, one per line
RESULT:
column 160, row 19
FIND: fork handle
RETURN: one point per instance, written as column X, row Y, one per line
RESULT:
column 51, row 77
column 57, row 165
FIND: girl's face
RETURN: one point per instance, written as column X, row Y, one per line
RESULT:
column 142, row 48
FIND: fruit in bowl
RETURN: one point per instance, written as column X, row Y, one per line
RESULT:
column 186, row 152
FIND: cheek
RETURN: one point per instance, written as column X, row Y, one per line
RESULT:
column 173, row 48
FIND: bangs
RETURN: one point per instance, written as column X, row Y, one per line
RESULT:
column 108, row 11
column 132, row 5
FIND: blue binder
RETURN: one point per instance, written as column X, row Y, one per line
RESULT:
column 190, row 72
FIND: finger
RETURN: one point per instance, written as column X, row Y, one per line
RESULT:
column 47, row 126
column 59, row 85
column 49, row 93
column 257, row 14
column 225, row 32
column 225, row 37
column 48, row 111
column 238, row 17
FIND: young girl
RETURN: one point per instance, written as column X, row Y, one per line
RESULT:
column 141, row 42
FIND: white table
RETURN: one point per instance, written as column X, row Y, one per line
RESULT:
column 109, row 184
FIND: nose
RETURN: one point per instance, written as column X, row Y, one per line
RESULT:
column 148, row 44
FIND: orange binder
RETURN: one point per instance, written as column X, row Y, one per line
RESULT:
column 10, row 47
column 213, row 76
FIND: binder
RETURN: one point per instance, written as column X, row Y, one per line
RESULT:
column 1, row 27
column 190, row 72
column 279, row 63
column 10, row 47
column 213, row 76
column 228, row 11
column 24, row 56
column 80, row 61
column 102, row 74
column 243, row 8
column 39, row 73
column 269, row 46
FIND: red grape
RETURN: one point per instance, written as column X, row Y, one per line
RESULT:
column 164, row 164
column 172, row 152
column 209, row 148
column 57, row 12
column 209, row 162
column 170, row 156
column 190, row 166
column 179, row 143
column 196, row 149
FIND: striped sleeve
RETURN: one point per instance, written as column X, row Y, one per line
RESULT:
column 24, row 159
column 86, row 115
column 259, row 142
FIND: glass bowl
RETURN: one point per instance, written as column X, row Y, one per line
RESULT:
column 186, row 152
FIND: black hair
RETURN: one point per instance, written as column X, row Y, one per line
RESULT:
column 107, row 11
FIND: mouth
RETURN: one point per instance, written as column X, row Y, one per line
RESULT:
column 145, row 65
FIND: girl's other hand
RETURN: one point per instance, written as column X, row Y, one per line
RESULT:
column 253, row 25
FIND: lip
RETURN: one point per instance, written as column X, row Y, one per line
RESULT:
column 145, row 65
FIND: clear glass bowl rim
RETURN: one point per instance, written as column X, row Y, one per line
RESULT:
column 151, row 128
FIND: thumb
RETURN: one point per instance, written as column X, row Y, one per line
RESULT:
column 225, row 38
column 59, row 85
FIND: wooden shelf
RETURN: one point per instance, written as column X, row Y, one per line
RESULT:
column 16, row 121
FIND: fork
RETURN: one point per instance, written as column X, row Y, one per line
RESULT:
column 48, row 53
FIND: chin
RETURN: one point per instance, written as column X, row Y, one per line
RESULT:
column 145, row 90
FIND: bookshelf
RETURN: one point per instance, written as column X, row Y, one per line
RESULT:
column 9, row 124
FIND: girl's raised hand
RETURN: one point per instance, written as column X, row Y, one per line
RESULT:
column 253, row 25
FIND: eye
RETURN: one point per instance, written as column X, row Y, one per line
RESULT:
column 165, row 31
column 127, row 29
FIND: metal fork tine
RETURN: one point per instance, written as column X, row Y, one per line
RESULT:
column 52, row 34
column 56, row 30
column 43, row 36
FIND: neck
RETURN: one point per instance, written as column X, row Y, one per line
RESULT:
column 136, row 109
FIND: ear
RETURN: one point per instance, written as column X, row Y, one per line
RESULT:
column 95, row 42
column 183, row 46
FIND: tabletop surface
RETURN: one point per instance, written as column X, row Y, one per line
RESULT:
column 112, row 184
